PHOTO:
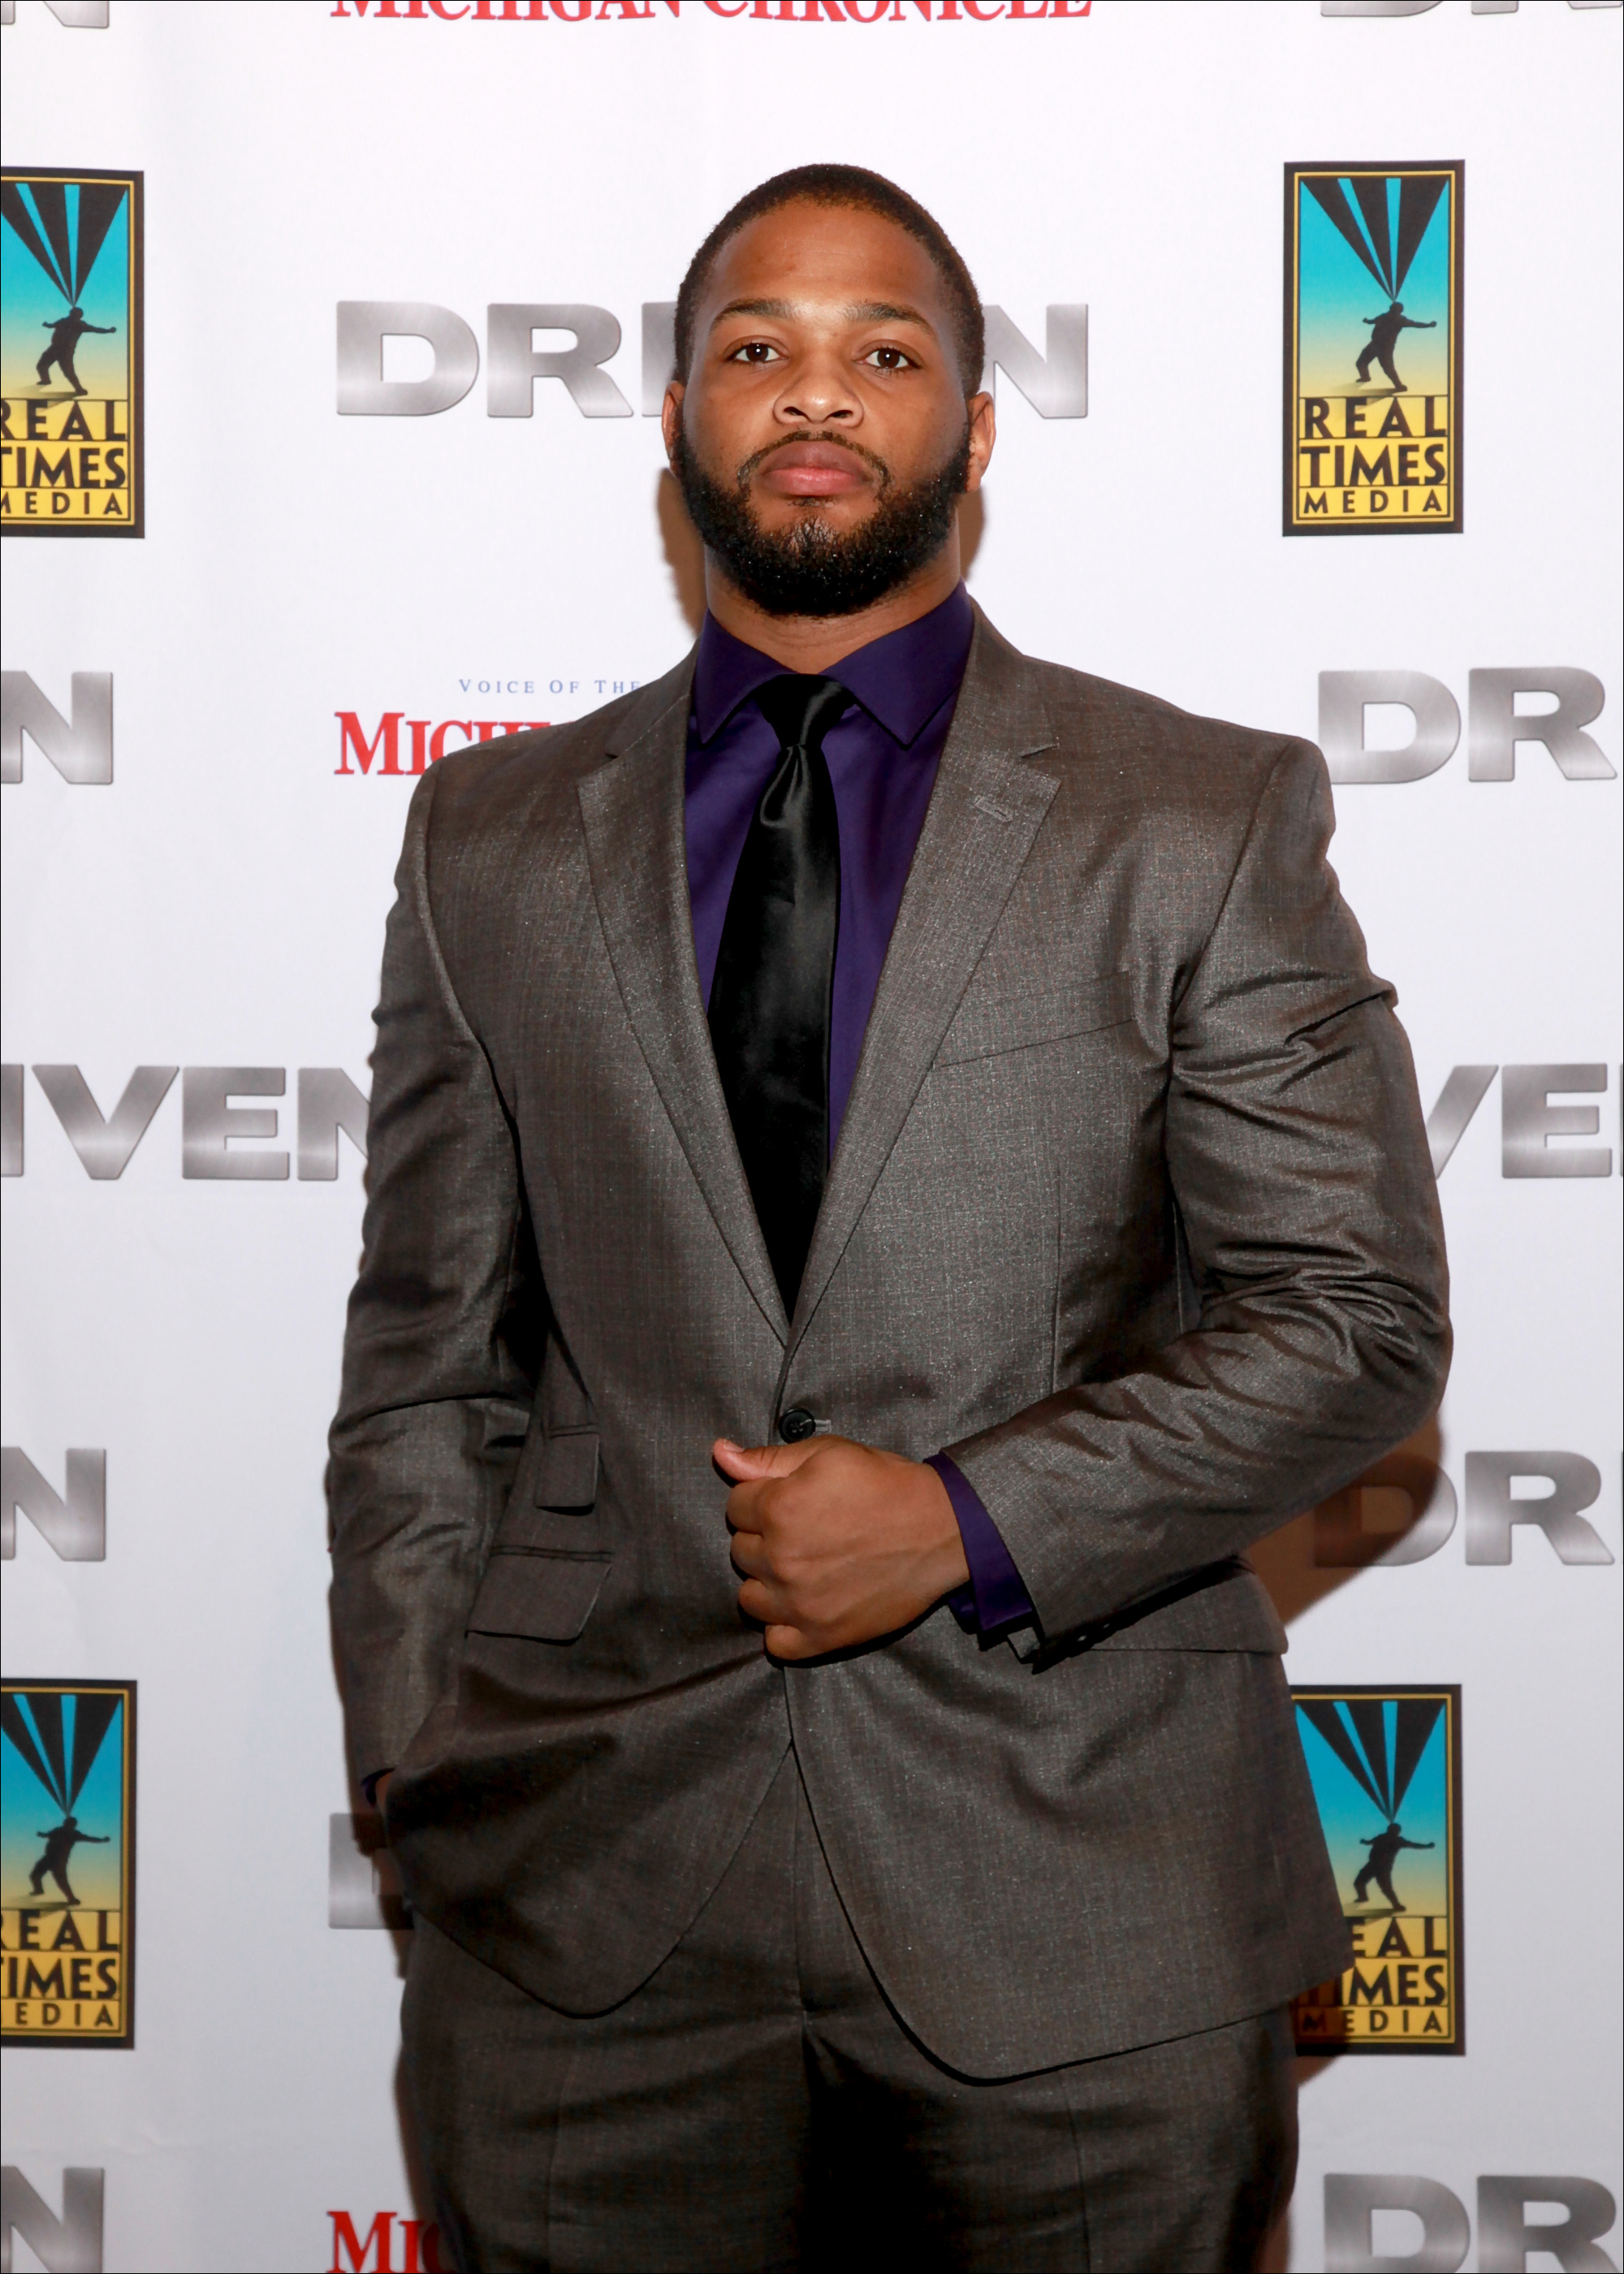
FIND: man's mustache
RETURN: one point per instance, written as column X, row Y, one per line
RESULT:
column 876, row 466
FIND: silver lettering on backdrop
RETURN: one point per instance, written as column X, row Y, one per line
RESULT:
column 1529, row 1121
column 1055, row 381
column 362, row 328
column 1355, row 2200
column 1421, row 8
column 1459, row 1099
column 363, row 1879
column 1497, row 725
column 73, row 1522
column 210, row 1124
column 328, row 1102
column 1507, row 2237
column 69, row 2244
column 77, row 15
column 11, row 1121
column 103, row 1146
column 1401, row 1512
column 80, row 746
column 1404, row 1510
column 659, row 353
column 516, row 363
column 1435, row 725
column 1493, row 1505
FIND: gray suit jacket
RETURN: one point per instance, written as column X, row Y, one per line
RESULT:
column 1131, row 1213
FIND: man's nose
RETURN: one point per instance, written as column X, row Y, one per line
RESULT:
column 818, row 393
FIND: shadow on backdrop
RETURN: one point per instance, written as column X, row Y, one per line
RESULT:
column 1399, row 1512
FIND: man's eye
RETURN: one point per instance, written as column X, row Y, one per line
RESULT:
column 753, row 352
column 889, row 359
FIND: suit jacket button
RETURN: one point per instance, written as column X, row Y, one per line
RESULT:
column 794, row 1423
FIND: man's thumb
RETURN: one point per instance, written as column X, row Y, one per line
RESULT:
column 747, row 1462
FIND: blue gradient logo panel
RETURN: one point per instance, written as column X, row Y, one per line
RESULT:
column 70, row 408
column 1372, row 350
column 1386, row 1769
column 67, row 1863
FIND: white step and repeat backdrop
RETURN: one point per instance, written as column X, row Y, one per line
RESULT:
column 253, row 584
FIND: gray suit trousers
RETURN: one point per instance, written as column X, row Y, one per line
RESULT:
column 757, row 2105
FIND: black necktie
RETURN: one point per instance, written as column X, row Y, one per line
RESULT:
column 769, row 1001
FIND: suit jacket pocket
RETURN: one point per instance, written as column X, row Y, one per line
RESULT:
column 566, row 1473
column 544, row 1595
column 985, row 1030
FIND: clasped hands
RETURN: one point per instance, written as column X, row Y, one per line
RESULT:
column 838, row 1543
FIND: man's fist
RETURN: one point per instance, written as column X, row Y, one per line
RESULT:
column 838, row 1543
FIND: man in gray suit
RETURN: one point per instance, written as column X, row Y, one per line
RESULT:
column 944, row 1096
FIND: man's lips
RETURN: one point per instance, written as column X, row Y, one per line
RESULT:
column 814, row 470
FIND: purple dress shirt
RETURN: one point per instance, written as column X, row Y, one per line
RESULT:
column 882, row 757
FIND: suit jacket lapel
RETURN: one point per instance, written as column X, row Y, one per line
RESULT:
column 983, row 815
column 632, row 812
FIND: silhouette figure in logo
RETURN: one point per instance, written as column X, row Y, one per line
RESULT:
column 1384, row 1847
column 66, row 332
column 59, row 1845
column 1384, row 338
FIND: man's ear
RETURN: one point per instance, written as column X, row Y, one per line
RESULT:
column 983, row 435
column 670, row 416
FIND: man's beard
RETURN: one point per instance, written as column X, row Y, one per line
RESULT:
column 811, row 570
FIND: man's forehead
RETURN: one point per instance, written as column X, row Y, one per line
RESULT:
column 831, row 258
column 850, row 312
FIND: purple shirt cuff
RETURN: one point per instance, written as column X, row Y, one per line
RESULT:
column 994, row 1597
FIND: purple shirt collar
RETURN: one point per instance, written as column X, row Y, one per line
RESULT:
column 902, row 680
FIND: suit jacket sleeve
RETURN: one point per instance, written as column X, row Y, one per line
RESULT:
column 440, row 1349
column 1299, row 1164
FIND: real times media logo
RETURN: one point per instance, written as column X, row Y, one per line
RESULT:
column 67, row 1862
column 1373, row 276
column 1386, row 1769
column 70, row 407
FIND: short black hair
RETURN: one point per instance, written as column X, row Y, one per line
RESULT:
column 845, row 185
